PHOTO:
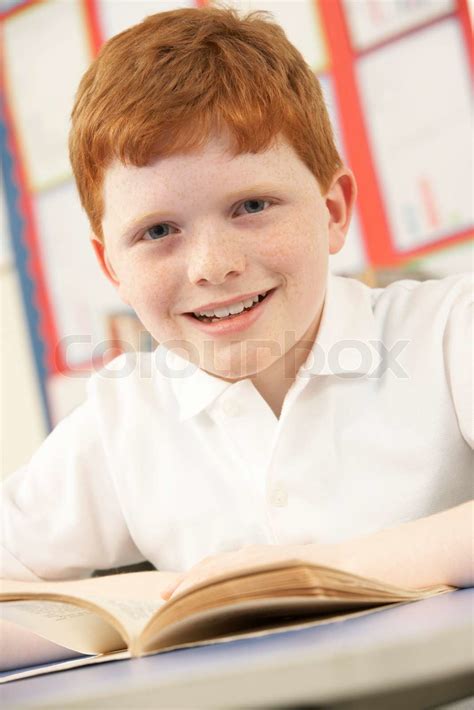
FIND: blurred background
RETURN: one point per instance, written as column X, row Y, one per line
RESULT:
column 396, row 75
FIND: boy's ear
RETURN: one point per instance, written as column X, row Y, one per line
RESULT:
column 104, row 263
column 340, row 199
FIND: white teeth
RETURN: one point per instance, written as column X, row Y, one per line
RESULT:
column 235, row 308
column 224, row 311
column 230, row 310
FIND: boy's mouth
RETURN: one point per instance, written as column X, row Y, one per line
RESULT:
column 232, row 324
column 230, row 316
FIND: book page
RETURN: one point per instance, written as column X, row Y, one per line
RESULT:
column 266, row 595
column 125, row 601
column 248, row 617
column 134, row 585
column 64, row 624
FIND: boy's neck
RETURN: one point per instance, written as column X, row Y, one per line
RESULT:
column 274, row 382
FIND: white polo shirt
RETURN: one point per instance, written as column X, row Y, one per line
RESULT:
column 166, row 463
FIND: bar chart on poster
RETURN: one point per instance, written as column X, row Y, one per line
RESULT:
column 373, row 22
column 419, row 141
column 396, row 77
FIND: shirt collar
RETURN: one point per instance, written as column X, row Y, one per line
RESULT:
column 194, row 388
column 347, row 327
column 341, row 348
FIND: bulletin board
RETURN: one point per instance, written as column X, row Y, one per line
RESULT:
column 396, row 75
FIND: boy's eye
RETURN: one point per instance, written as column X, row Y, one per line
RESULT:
column 157, row 231
column 161, row 230
column 254, row 206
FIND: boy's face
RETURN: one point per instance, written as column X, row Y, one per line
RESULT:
column 190, row 230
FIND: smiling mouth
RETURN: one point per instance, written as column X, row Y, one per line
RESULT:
column 215, row 319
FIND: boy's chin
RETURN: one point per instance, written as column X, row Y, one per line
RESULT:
column 236, row 368
column 230, row 361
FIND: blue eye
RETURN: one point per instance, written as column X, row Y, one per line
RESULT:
column 159, row 231
column 254, row 206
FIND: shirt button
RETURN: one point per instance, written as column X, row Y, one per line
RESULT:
column 232, row 409
column 279, row 497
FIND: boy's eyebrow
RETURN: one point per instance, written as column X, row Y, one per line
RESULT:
column 258, row 189
column 142, row 221
column 253, row 190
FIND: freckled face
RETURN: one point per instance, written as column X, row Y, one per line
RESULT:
column 189, row 230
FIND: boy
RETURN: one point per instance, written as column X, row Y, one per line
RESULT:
column 284, row 414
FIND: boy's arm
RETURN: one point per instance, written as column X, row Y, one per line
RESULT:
column 60, row 514
column 437, row 549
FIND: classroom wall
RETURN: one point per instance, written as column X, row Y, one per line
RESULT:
column 22, row 424
column 45, row 258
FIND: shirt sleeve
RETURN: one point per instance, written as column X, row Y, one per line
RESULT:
column 61, row 517
column 459, row 355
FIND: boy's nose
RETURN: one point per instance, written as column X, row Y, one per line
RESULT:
column 214, row 256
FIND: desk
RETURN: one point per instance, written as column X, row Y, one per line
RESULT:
column 411, row 656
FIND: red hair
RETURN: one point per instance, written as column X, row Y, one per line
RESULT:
column 163, row 86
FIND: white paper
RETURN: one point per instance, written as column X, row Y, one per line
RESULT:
column 118, row 15
column 416, row 93
column 299, row 19
column 81, row 297
column 372, row 21
column 301, row 23
column 21, row 648
column 46, row 52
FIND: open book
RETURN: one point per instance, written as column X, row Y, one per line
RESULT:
column 48, row 626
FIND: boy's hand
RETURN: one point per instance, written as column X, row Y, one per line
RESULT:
column 437, row 549
column 248, row 556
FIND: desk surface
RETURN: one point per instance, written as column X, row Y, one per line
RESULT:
column 424, row 650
